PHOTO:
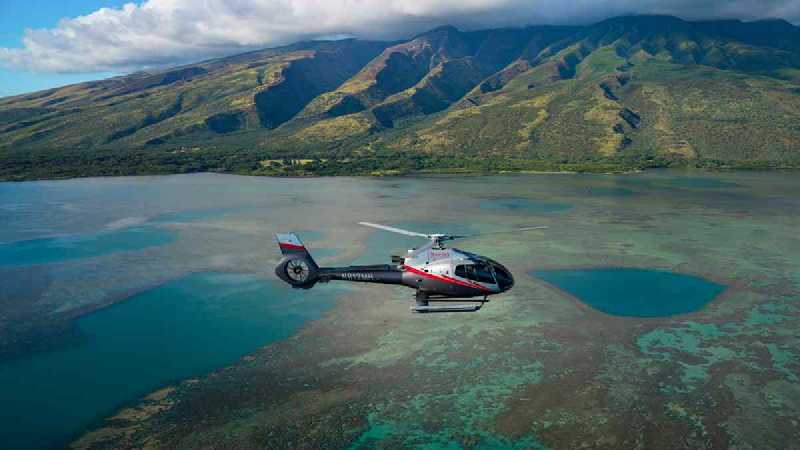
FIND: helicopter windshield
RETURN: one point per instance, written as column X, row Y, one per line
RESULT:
column 475, row 272
column 504, row 278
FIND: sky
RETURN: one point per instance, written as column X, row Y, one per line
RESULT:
column 18, row 15
column 48, row 43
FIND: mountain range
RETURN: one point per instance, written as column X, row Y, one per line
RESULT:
column 628, row 92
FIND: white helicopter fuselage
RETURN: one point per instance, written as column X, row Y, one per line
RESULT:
column 435, row 272
column 450, row 272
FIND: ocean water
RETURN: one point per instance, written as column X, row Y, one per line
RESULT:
column 635, row 292
column 62, row 248
column 181, row 329
column 186, row 264
column 524, row 205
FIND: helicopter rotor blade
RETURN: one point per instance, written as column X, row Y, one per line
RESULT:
column 394, row 230
column 515, row 230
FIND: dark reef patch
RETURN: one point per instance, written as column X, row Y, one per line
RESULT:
column 519, row 204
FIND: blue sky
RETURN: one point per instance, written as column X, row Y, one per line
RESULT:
column 17, row 15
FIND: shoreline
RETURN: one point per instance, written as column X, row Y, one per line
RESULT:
column 421, row 173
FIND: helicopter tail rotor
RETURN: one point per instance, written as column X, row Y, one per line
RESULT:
column 297, row 267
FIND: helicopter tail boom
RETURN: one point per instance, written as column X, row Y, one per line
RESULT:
column 382, row 274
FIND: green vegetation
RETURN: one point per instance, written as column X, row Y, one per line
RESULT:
column 625, row 94
column 75, row 164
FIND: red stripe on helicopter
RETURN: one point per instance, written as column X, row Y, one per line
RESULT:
column 447, row 279
column 286, row 246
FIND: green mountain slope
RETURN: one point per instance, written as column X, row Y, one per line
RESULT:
column 628, row 92
column 256, row 90
column 631, row 89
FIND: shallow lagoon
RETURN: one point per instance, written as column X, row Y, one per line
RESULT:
column 739, row 227
column 56, row 249
column 524, row 205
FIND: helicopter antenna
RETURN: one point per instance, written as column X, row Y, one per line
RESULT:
column 439, row 238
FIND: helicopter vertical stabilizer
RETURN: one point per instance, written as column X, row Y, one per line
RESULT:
column 290, row 244
column 297, row 267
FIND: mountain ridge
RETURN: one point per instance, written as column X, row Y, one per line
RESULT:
column 626, row 92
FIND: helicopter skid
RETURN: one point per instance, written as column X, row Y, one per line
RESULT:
column 423, row 299
column 445, row 308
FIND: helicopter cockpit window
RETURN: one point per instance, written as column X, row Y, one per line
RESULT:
column 476, row 272
column 504, row 278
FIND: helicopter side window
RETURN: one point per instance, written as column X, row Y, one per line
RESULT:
column 483, row 274
column 476, row 272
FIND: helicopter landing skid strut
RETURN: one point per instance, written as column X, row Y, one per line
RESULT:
column 422, row 305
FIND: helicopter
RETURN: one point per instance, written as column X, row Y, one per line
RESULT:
column 437, row 273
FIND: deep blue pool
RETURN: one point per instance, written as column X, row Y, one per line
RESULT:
column 634, row 292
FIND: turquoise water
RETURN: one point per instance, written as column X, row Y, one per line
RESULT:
column 193, row 215
column 701, row 183
column 519, row 204
column 634, row 292
column 180, row 329
column 686, row 182
column 602, row 191
column 105, row 242
column 50, row 250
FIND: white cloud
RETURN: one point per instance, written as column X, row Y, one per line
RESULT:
column 163, row 32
